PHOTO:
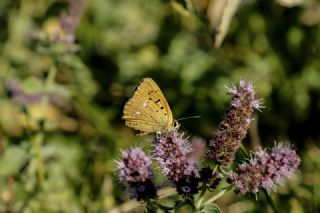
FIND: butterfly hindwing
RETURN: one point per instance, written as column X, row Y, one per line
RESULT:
column 147, row 110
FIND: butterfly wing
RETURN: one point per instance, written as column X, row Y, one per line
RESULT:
column 148, row 110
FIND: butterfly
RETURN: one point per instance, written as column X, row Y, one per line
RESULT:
column 148, row 110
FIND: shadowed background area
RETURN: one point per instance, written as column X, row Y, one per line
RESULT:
column 68, row 67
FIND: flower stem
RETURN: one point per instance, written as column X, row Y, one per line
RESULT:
column 201, row 197
column 36, row 143
column 270, row 201
column 244, row 150
column 217, row 196
column 203, row 191
column 40, row 136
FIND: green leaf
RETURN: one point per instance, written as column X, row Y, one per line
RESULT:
column 32, row 85
column 187, row 202
column 13, row 159
column 151, row 208
column 211, row 208
column 165, row 208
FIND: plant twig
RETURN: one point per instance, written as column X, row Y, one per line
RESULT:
column 270, row 201
column 40, row 136
column 217, row 196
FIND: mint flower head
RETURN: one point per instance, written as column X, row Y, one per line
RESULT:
column 135, row 170
column 233, row 129
column 265, row 170
column 171, row 151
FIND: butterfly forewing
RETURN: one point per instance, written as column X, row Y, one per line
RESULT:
column 148, row 110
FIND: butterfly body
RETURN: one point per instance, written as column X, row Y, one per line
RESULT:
column 148, row 111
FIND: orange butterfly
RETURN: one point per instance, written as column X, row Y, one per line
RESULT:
column 148, row 110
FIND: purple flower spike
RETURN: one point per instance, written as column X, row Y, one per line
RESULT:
column 70, row 19
column 265, row 170
column 233, row 129
column 171, row 151
column 135, row 169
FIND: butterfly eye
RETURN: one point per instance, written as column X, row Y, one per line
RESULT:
column 176, row 125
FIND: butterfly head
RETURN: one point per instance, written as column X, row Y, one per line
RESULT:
column 176, row 125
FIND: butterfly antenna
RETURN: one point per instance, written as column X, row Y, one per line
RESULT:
column 197, row 116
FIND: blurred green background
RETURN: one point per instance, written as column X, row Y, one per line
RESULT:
column 67, row 68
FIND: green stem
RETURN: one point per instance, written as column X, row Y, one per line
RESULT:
column 217, row 196
column 270, row 201
column 180, row 9
column 37, row 143
column 201, row 197
column 244, row 150
column 40, row 136
column 203, row 191
column 45, row 99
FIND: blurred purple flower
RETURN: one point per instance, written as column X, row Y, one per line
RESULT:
column 135, row 169
column 233, row 129
column 19, row 95
column 171, row 151
column 198, row 146
column 265, row 170
column 70, row 19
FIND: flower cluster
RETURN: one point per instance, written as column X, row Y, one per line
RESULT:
column 135, row 169
column 265, row 170
column 171, row 151
column 233, row 129
column 178, row 158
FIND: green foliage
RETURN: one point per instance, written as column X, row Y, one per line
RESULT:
column 12, row 160
column 211, row 207
column 57, row 154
